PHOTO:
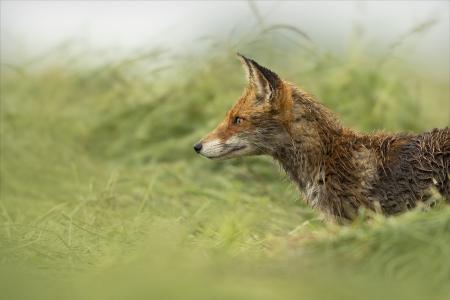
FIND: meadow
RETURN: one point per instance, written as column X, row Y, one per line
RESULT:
column 102, row 196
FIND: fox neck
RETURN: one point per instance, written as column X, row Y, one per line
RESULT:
column 311, row 134
column 303, row 164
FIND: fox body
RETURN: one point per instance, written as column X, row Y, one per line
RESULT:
column 338, row 170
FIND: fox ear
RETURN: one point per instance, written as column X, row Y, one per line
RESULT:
column 262, row 79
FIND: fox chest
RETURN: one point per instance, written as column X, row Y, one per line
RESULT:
column 315, row 192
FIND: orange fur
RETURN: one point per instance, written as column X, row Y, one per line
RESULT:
column 338, row 170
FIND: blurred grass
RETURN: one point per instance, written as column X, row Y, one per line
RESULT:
column 102, row 196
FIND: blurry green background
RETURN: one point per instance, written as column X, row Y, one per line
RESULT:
column 102, row 196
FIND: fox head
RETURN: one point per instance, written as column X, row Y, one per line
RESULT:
column 257, row 122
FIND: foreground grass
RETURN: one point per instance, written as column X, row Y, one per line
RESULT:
column 103, row 198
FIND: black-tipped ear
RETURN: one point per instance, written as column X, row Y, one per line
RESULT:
column 264, row 80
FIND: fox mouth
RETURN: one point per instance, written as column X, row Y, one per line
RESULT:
column 227, row 153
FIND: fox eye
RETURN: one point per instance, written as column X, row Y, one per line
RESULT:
column 237, row 120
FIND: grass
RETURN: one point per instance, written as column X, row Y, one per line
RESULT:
column 102, row 196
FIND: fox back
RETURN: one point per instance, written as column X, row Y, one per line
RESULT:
column 338, row 171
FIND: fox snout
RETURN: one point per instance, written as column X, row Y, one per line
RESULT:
column 219, row 149
column 198, row 147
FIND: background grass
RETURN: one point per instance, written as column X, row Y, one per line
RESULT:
column 102, row 196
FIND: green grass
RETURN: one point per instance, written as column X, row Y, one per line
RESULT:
column 102, row 196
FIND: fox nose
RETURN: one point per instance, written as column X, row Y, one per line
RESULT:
column 198, row 147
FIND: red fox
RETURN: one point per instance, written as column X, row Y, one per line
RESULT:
column 338, row 170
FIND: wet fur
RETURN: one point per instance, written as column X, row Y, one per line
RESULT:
column 338, row 170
